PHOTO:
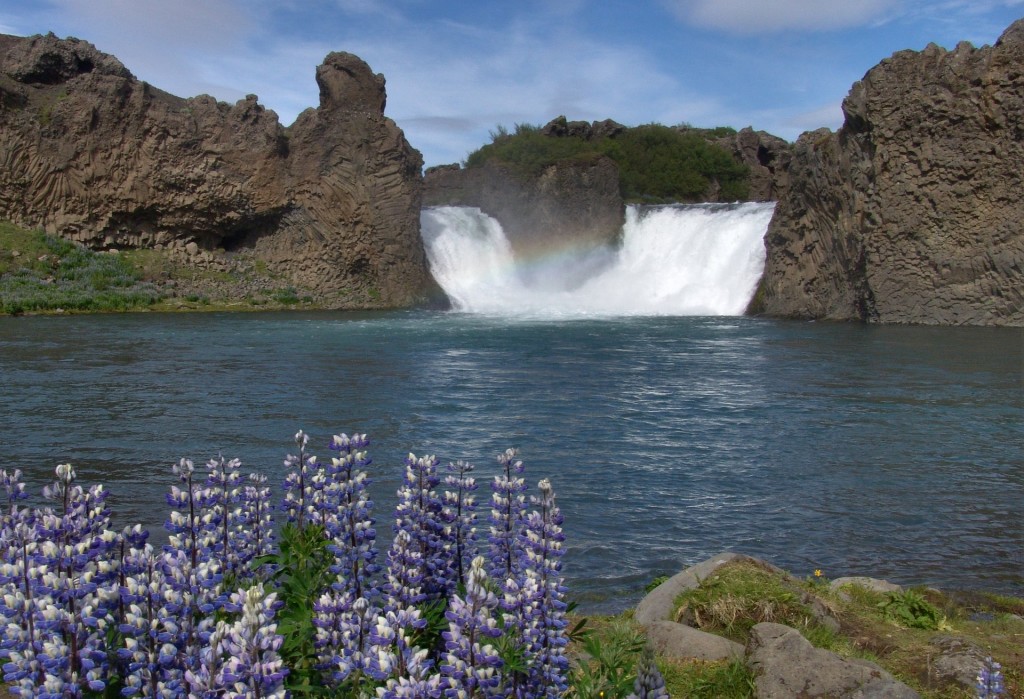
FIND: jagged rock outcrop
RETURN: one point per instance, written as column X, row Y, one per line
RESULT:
column 572, row 202
column 911, row 212
column 330, row 204
column 767, row 158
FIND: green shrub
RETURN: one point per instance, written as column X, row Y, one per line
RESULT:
column 910, row 608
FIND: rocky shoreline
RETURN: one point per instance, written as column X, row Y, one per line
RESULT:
column 785, row 664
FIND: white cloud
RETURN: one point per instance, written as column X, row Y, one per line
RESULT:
column 766, row 16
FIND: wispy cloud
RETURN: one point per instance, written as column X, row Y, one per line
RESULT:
column 456, row 70
column 766, row 16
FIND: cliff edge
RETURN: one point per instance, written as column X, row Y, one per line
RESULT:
column 330, row 204
column 911, row 212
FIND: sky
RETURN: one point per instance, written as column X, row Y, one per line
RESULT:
column 458, row 69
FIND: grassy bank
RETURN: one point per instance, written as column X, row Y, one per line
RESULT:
column 44, row 274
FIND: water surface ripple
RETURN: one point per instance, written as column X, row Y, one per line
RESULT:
column 889, row 451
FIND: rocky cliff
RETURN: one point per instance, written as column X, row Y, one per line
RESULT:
column 331, row 204
column 911, row 212
column 575, row 201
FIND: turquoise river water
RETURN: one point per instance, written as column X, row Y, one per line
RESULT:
column 889, row 451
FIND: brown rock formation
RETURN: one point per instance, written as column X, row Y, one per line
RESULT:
column 912, row 212
column 768, row 159
column 577, row 201
column 330, row 204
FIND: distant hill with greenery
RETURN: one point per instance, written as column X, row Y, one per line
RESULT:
column 656, row 163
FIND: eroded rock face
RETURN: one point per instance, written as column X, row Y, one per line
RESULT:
column 768, row 158
column 911, row 212
column 569, row 203
column 331, row 204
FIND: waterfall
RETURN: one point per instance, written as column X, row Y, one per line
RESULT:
column 703, row 259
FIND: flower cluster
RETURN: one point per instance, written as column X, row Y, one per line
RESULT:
column 990, row 680
column 232, row 606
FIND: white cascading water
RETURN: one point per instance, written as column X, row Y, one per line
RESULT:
column 703, row 259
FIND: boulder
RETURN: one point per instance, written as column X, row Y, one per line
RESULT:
column 680, row 642
column 786, row 665
column 659, row 603
column 958, row 660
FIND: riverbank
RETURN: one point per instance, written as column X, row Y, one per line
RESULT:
column 41, row 274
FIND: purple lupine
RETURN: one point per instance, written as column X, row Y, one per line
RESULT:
column 354, row 539
column 418, row 513
column 990, row 679
column 393, row 655
column 153, row 666
column 183, row 522
column 73, row 547
column 544, row 626
column 220, row 500
column 300, row 483
column 22, row 642
column 649, row 683
column 250, row 665
column 470, row 666
column 344, row 631
column 508, row 502
column 344, row 614
column 403, row 587
column 254, row 524
column 460, row 517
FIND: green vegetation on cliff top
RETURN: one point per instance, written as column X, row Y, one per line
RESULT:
column 657, row 163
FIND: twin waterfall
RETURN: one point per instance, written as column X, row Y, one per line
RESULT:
column 677, row 260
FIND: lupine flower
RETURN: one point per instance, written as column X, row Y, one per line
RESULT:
column 344, row 626
column 299, row 484
column 151, row 626
column 392, row 649
column 990, row 679
column 404, row 586
column 543, row 622
column 351, row 528
column 471, row 663
column 508, row 502
column 418, row 513
column 68, row 585
column 649, row 683
column 460, row 517
column 220, row 500
column 249, row 664
column 253, row 521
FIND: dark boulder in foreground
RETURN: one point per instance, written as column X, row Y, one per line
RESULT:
column 911, row 212
column 331, row 204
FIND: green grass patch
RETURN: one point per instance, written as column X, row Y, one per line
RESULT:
column 40, row 273
column 708, row 680
column 742, row 594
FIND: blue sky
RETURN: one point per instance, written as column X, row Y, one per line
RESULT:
column 456, row 69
